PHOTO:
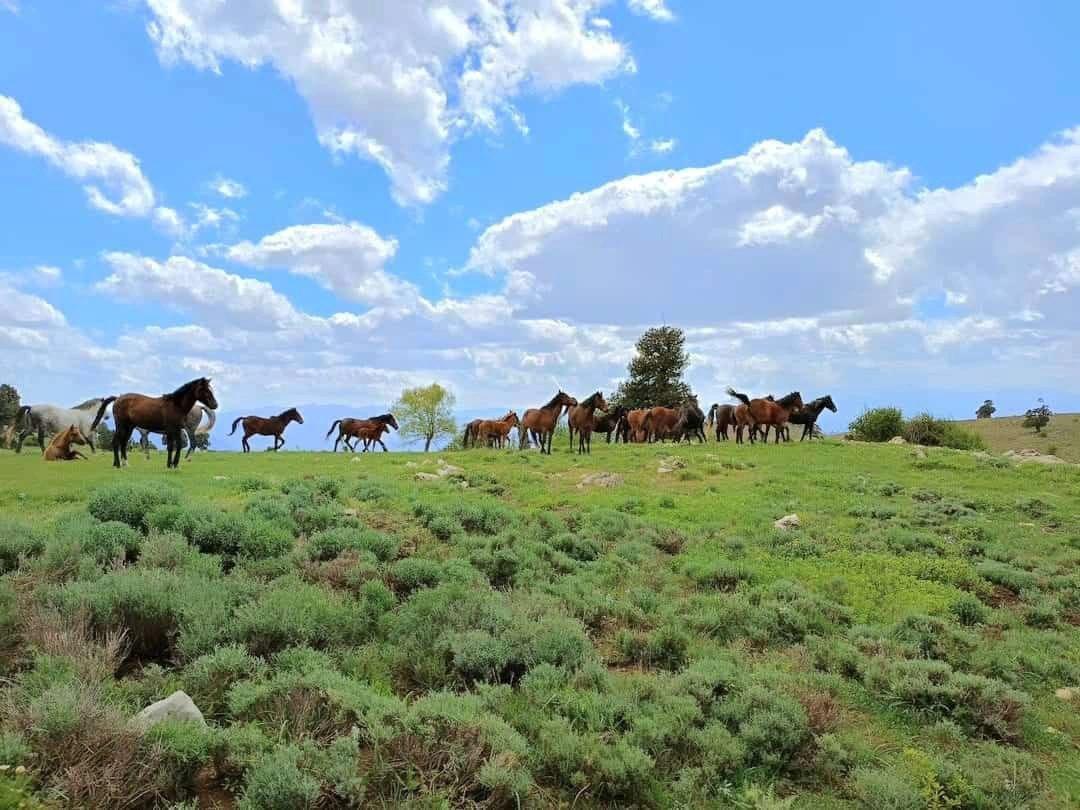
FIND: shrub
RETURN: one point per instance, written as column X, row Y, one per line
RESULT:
column 968, row 611
column 773, row 726
column 274, row 509
column 228, row 533
column 209, row 677
column 413, row 573
column 716, row 573
column 886, row 789
column 184, row 747
column 1008, row 576
column 326, row 545
column 17, row 540
column 932, row 432
column 877, row 425
column 276, row 782
column 112, row 540
column 130, row 502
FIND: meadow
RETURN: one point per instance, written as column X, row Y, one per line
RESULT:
column 1060, row 438
column 521, row 631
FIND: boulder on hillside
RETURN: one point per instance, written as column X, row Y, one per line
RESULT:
column 670, row 464
column 600, row 479
column 788, row 522
column 177, row 706
column 897, row 440
column 1031, row 456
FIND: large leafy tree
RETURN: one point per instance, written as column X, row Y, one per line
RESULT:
column 9, row 404
column 425, row 413
column 986, row 410
column 656, row 371
column 1038, row 418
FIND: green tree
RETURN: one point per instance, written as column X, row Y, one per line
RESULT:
column 656, row 371
column 986, row 410
column 1038, row 418
column 9, row 404
column 425, row 413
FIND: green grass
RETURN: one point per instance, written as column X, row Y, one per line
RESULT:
column 356, row 637
column 1008, row 433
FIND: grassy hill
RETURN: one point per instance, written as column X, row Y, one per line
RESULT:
column 357, row 637
column 1061, row 437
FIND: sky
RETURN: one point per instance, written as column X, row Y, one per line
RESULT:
column 326, row 201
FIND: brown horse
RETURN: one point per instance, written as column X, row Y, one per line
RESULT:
column 164, row 414
column 59, row 448
column 373, row 434
column 497, row 431
column 541, row 421
column 631, row 427
column 754, row 412
column 722, row 417
column 370, row 429
column 266, row 426
column 581, row 419
column 471, row 432
column 660, row 423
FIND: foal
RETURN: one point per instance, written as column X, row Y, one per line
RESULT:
column 263, row 426
column 59, row 448
column 368, row 429
column 497, row 431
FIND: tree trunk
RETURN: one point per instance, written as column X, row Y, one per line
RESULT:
column 427, row 443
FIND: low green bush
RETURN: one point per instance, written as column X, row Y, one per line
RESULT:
column 17, row 541
column 413, row 573
column 130, row 502
column 877, row 425
column 276, row 782
column 933, row 432
column 328, row 544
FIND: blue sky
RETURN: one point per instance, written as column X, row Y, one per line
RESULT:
column 882, row 203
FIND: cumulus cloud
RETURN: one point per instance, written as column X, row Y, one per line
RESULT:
column 657, row 9
column 397, row 83
column 230, row 189
column 113, row 181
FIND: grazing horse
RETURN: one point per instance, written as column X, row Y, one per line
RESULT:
column 754, row 412
column 497, row 431
column 59, row 448
column 266, row 426
column 191, row 428
column 690, row 421
column 55, row 418
column 370, row 429
column 541, row 421
column 609, row 422
column 581, row 419
column 164, row 414
column 722, row 416
column 632, row 427
column 808, row 416
column 660, row 422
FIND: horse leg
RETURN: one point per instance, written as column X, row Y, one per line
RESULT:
column 116, row 446
column 190, row 442
column 41, row 437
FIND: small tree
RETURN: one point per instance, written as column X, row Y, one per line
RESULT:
column 9, row 404
column 425, row 414
column 656, row 371
column 986, row 410
column 1038, row 418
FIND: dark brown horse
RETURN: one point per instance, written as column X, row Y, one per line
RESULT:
column 266, row 426
column 721, row 417
column 609, row 422
column 496, row 432
column 808, row 416
column 581, row 419
column 471, row 433
column 60, row 449
column 164, row 414
column 754, row 412
column 370, row 429
column 541, row 421
column 690, row 421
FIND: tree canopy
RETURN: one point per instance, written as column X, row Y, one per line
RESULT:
column 9, row 403
column 656, row 371
column 1038, row 418
column 986, row 410
column 425, row 413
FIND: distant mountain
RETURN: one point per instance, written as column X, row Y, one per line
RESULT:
column 317, row 420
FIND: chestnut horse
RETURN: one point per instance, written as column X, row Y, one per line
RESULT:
column 497, row 431
column 660, row 423
column 59, row 448
column 754, row 412
column 541, row 421
column 631, row 427
column 471, row 432
column 370, row 429
column 722, row 417
column 581, row 419
column 373, row 434
column 266, row 426
column 164, row 414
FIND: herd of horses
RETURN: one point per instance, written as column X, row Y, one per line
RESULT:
column 183, row 410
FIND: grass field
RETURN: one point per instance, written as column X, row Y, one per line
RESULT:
column 1062, row 435
column 358, row 638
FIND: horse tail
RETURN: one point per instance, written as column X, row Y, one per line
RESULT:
column 465, row 438
column 211, row 420
column 331, row 430
column 731, row 392
column 236, row 422
column 23, row 415
column 101, row 412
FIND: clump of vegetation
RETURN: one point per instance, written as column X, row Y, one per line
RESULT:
column 877, row 425
column 130, row 502
column 933, row 432
column 1039, row 417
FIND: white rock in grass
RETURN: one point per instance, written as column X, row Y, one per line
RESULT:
column 788, row 522
column 177, row 706
column 600, row 479
column 427, row 477
column 897, row 440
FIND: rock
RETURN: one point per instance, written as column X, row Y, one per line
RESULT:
column 350, row 512
column 670, row 464
column 1031, row 456
column 788, row 522
column 897, row 440
column 355, row 459
column 427, row 477
column 221, row 478
column 982, row 454
column 920, row 453
column 446, row 470
column 177, row 706
column 600, row 479
column 463, row 484
column 411, row 464
column 1065, row 693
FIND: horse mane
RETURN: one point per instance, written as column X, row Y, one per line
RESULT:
column 90, row 403
column 553, row 402
column 788, row 400
column 183, row 390
column 590, row 401
column 285, row 413
column 382, row 417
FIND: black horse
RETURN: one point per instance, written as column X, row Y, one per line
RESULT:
column 609, row 422
column 690, row 421
column 809, row 414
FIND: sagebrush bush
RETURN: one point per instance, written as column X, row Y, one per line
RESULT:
column 130, row 502
column 16, row 541
column 326, row 545
column 877, row 425
column 232, row 534
column 276, row 782
column 1008, row 576
column 209, row 677
column 724, row 575
column 933, row 432
column 773, row 726
column 414, row 573
column 111, row 541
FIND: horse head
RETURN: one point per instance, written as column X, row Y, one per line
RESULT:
column 564, row 398
column 294, row 415
column 828, row 403
column 390, row 420
column 205, row 394
column 512, row 418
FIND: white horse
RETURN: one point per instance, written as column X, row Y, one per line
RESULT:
column 55, row 418
column 191, row 427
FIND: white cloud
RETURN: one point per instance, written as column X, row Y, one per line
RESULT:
column 347, row 259
column 657, row 9
column 212, row 218
column 631, row 132
column 170, row 221
column 114, row 183
column 227, row 188
column 662, row 146
column 397, row 83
